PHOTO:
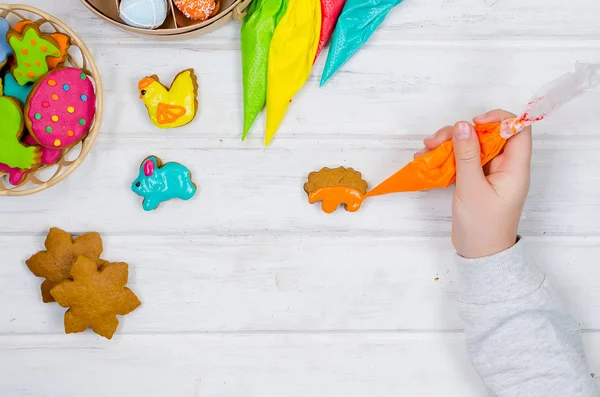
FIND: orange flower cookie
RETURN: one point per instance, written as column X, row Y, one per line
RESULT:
column 54, row 264
column 336, row 186
column 198, row 10
column 95, row 297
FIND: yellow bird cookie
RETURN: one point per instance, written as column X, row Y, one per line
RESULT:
column 171, row 107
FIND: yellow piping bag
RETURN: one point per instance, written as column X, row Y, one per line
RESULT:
column 291, row 56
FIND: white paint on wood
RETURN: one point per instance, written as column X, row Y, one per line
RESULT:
column 247, row 289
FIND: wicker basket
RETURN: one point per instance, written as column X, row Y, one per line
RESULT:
column 79, row 57
column 177, row 26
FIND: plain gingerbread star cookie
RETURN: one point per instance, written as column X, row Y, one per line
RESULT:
column 95, row 297
column 55, row 263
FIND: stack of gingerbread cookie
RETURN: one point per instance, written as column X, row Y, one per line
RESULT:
column 93, row 289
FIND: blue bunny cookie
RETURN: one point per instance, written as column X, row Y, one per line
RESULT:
column 157, row 183
column 5, row 48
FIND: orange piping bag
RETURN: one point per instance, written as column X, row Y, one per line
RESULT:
column 437, row 168
column 293, row 48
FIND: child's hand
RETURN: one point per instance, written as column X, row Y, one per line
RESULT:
column 486, row 209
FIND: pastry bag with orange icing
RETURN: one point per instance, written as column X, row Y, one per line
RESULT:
column 291, row 57
column 256, row 34
column 437, row 168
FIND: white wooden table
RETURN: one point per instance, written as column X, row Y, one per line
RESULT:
column 250, row 291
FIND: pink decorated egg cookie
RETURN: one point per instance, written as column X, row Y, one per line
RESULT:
column 61, row 108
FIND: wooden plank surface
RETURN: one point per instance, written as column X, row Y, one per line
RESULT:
column 248, row 290
column 252, row 365
column 290, row 283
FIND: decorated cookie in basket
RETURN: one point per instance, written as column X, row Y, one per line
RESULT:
column 31, row 48
column 5, row 48
column 16, row 176
column 61, row 108
column 63, row 41
column 13, row 153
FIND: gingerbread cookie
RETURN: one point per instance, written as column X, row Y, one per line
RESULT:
column 61, row 108
column 171, row 107
column 31, row 49
column 13, row 153
column 5, row 48
column 157, row 182
column 336, row 186
column 63, row 41
column 47, row 285
column 95, row 297
column 54, row 264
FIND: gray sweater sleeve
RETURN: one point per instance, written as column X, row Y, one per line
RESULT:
column 520, row 338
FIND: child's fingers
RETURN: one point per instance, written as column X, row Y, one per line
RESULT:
column 441, row 136
column 420, row 152
column 518, row 150
column 493, row 116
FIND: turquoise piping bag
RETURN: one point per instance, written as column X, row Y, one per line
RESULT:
column 357, row 22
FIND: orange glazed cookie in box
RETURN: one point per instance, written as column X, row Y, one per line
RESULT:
column 55, row 263
column 95, row 297
column 197, row 9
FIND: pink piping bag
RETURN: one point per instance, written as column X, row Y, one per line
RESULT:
column 330, row 12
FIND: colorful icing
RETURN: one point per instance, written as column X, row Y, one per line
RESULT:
column 16, row 176
column 198, row 10
column 330, row 12
column 157, row 183
column 256, row 34
column 5, row 48
column 15, row 90
column 357, row 22
column 437, row 168
column 333, row 196
column 291, row 58
column 174, row 107
column 336, row 186
column 63, row 41
column 57, row 116
column 12, row 152
column 31, row 49
column 49, row 156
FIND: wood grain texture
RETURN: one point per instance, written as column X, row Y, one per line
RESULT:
column 413, row 20
column 256, row 365
column 248, row 189
column 290, row 283
column 247, row 290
